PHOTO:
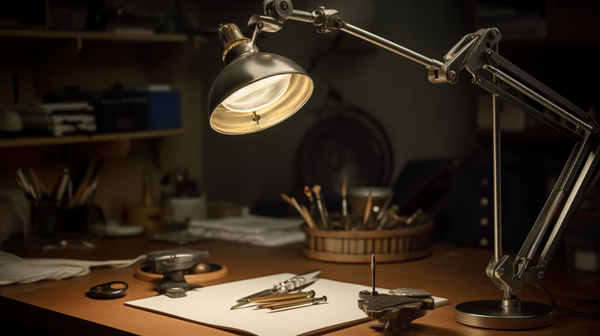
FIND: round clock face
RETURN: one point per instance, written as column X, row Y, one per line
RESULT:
column 349, row 145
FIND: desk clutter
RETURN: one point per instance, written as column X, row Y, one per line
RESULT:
column 65, row 216
column 58, row 118
column 324, row 305
column 290, row 300
column 282, row 295
column 126, row 108
column 174, row 272
column 373, row 226
column 339, row 309
column 397, row 309
column 198, row 274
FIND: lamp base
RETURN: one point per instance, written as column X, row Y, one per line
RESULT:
column 503, row 315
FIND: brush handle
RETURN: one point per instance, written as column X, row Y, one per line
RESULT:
column 311, row 301
column 312, row 209
column 344, row 202
column 323, row 215
column 326, row 214
column 367, row 211
column 282, row 297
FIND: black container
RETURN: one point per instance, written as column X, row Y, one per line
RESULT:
column 57, row 226
column 121, row 114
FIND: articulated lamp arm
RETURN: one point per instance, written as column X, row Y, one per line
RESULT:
column 477, row 53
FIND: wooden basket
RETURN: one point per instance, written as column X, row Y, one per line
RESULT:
column 357, row 246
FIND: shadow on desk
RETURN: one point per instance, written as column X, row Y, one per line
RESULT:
column 421, row 329
column 23, row 329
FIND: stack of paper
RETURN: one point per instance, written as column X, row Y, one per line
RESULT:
column 251, row 229
column 58, row 118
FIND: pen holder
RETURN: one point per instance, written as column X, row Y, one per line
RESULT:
column 55, row 225
column 358, row 245
column 358, row 200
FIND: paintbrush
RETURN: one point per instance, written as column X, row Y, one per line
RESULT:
column 37, row 184
column 85, row 181
column 346, row 221
column 288, row 199
column 26, row 184
column 61, row 185
column 309, row 220
column 367, row 209
column 322, row 208
column 415, row 218
column 281, row 298
column 312, row 209
column 377, row 213
column 303, row 302
column 387, row 221
column 292, row 201
column 344, row 201
column 383, row 210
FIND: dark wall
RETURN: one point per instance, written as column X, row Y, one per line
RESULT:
column 422, row 120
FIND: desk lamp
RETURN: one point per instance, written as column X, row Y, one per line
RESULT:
column 256, row 90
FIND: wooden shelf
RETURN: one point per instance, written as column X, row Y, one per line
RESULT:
column 95, row 61
column 76, row 139
column 91, row 36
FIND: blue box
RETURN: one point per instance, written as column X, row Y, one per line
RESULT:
column 164, row 108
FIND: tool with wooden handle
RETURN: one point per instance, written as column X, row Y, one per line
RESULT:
column 301, row 209
column 292, row 284
column 283, row 297
column 345, row 221
column 322, row 208
column 301, row 302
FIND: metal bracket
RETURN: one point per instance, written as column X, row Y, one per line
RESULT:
column 454, row 61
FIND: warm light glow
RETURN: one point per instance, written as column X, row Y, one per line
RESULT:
column 258, row 94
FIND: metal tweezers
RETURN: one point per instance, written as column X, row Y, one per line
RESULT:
column 295, row 283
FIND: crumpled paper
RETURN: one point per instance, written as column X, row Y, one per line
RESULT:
column 14, row 269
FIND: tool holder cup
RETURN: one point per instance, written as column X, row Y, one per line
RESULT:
column 357, row 246
column 55, row 225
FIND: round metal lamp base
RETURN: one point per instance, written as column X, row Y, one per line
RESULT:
column 493, row 314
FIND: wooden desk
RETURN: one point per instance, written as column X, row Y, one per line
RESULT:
column 456, row 273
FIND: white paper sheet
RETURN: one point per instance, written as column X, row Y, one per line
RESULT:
column 211, row 306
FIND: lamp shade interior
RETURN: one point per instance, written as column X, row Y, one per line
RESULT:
column 259, row 94
column 256, row 91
